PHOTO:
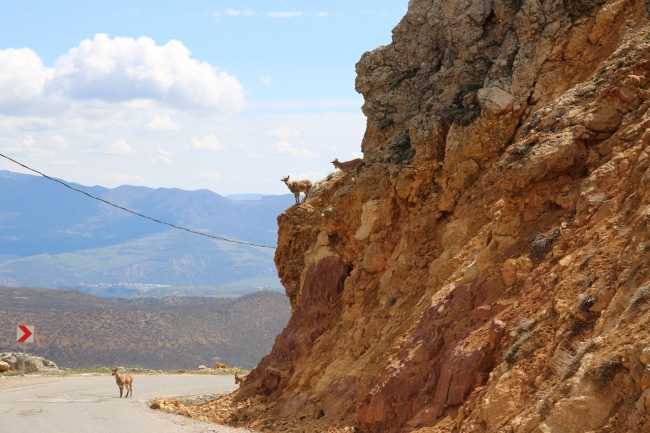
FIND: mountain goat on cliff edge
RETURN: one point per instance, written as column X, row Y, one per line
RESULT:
column 298, row 186
column 349, row 166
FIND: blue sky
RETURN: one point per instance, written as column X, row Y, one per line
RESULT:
column 95, row 92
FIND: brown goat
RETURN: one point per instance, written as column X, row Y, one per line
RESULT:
column 123, row 380
column 349, row 166
column 298, row 186
column 240, row 380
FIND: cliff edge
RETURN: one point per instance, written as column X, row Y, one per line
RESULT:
column 487, row 271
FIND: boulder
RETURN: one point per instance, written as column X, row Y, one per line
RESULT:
column 495, row 333
column 219, row 365
column 33, row 363
column 4, row 367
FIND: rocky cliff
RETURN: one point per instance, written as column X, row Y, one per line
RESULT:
column 487, row 271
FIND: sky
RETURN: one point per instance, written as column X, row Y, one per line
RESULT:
column 222, row 95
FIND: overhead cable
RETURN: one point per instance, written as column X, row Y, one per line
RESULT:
column 133, row 212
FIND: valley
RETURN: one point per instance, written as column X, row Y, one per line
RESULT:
column 75, row 329
column 60, row 238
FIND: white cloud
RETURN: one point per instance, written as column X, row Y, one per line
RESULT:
column 207, row 174
column 123, row 177
column 208, row 142
column 285, row 148
column 285, row 14
column 66, row 162
column 40, row 153
column 118, row 147
column 87, row 126
column 320, row 104
column 314, row 176
column 163, row 157
column 116, row 70
column 22, row 78
column 283, row 132
column 28, row 141
column 122, row 69
column 162, row 123
column 234, row 13
column 32, row 124
column 60, row 141
column 266, row 80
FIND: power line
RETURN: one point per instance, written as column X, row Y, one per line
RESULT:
column 133, row 212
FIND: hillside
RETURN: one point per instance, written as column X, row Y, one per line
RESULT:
column 488, row 269
column 74, row 329
column 44, row 243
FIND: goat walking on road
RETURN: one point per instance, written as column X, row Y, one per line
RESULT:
column 298, row 186
column 123, row 380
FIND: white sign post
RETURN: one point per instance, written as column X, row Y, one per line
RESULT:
column 24, row 334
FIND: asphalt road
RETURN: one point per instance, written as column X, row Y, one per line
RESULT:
column 80, row 404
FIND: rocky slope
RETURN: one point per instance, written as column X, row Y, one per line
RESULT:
column 488, row 269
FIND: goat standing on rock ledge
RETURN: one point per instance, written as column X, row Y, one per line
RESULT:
column 298, row 186
column 349, row 166
column 123, row 380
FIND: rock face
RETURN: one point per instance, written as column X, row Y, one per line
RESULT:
column 33, row 363
column 487, row 271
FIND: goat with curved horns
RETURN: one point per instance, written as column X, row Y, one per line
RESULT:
column 298, row 186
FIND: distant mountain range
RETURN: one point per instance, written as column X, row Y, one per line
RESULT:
column 51, row 236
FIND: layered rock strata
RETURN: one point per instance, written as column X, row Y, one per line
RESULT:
column 487, row 271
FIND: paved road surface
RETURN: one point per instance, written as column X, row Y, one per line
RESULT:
column 80, row 404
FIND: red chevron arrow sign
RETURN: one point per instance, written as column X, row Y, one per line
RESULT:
column 25, row 334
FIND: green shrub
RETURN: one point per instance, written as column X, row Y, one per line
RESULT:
column 395, row 82
column 513, row 353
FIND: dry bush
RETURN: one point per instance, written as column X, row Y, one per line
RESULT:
column 567, row 363
column 597, row 197
column 586, row 280
column 513, row 353
column 542, row 243
column 641, row 296
column 603, row 370
column 576, row 328
column 586, row 259
column 586, row 301
column 541, row 395
column 524, row 324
